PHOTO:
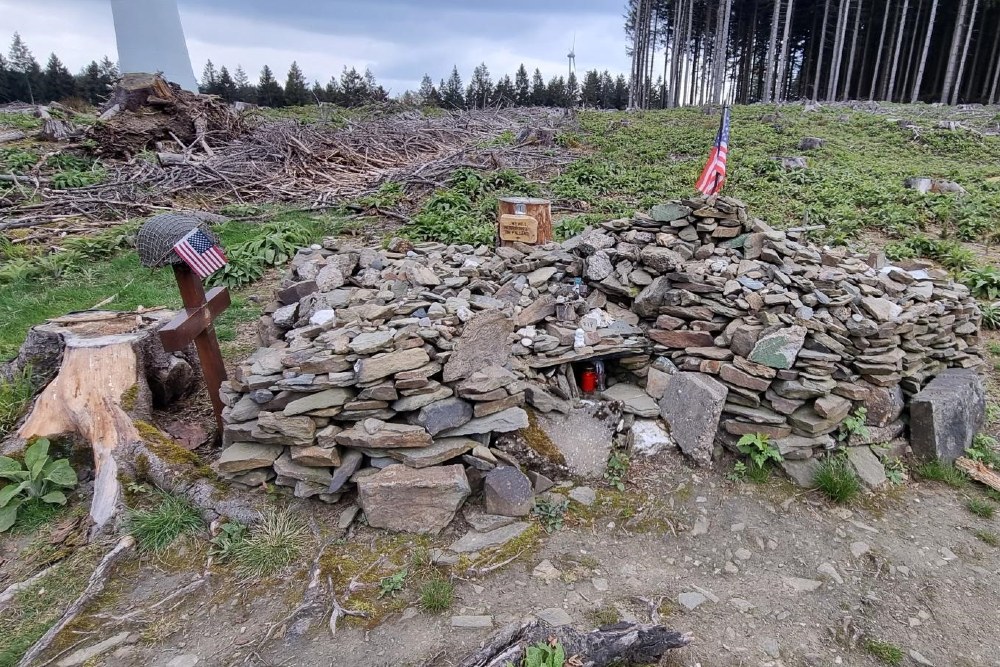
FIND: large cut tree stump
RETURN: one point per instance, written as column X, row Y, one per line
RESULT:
column 108, row 370
column 625, row 643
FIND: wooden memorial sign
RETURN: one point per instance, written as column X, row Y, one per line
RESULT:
column 525, row 220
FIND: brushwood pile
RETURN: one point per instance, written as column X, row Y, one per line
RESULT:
column 390, row 371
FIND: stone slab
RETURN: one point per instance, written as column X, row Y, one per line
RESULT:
column 947, row 414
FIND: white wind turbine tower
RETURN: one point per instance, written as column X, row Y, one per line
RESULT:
column 151, row 39
column 572, row 56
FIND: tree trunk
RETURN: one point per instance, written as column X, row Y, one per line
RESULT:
column 628, row 643
column 965, row 53
column 782, row 87
column 689, row 63
column 901, row 28
column 992, row 64
column 923, row 56
column 908, row 64
column 956, row 38
column 636, row 41
column 881, row 50
column 724, row 55
column 109, row 369
column 996, row 75
column 970, row 80
column 839, row 35
column 822, row 47
column 846, row 94
column 769, row 72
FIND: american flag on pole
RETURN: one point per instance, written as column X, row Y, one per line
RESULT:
column 714, row 175
column 200, row 252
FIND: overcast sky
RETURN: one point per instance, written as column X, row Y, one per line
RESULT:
column 399, row 40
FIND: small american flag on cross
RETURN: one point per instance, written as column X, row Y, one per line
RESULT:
column 714, row 174
column 200, row 252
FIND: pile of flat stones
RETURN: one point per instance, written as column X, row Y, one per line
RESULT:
column 391, row 370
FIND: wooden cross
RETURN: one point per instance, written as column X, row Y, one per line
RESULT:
column 195, row 324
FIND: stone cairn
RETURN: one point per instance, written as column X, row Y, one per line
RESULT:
column 392, row 369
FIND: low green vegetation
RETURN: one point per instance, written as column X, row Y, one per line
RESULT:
column 888, row 653
column 984, row 450
column 276, row 540
column 988, row 537
column 437, row 595
column 37, row 479
column 156, row 528
column 393, row 584
column 550, row 513
column 895, row 471
column 466, row 211
column 15, row 396
column 760, row 453
column 854, row 424
column 837, row 479
column 946, row 473
column 981, row 508
column 617, row 470
column 545, row 654
column 105, row 269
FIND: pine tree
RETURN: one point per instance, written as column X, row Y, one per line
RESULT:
column 5, row 73
column 332, row 92
column 572, row 90
column 209, row 84
column 373, row 91
column 226, row 85
column 480, row 88
column 26, row 82
column 504, row 94
column 620, row 97
column 451, row 91
column 89, row 84
column 555, row 92
column 245, row 91
column 590, row 95
column 296, row 92
column 109, row 70
column 538, row 91
column 269, row 91
column 58, row 82
column 318, row 93
column 607, row 91
column 352, row 88
column 426, row 92
column 522, row 91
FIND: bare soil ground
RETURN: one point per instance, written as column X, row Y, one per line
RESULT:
column 907, row 568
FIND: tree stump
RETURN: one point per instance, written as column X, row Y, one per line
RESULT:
column 525, row 220
column 625, row 643
column 107, row 371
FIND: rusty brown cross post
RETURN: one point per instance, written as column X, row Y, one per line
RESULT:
column 195, row 324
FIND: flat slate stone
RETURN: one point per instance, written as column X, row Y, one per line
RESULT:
column 803, row 473
column 508, row 492
column 409, row 500
column 947, row 414
column 443, row 449
column 476, row 541
column 330, row 398
column 243, row 456
column 633, row 399
column 511, row 419
column 870, row 470
column 483, row 342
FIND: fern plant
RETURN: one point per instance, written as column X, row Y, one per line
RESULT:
column 39, row 478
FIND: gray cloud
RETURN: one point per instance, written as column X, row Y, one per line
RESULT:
column 399, row 40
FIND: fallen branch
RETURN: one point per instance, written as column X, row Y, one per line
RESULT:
column 94, row 588
column 13, row 589
column 979, row 472
column 629, row 643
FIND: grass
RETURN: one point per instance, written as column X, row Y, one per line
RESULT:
column 888, row 653
column 35, row 608
column 274, row 542
column 437, row 595
column 155, row 529
column 604, row 615
column 15, row 395
column 34, row 513
column 988, row 537
column 88, row 273
column 981, row 508
column 837, row 479
column 946, row 473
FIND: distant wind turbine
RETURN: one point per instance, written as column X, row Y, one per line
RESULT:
column 151, row 39
column 572, row 57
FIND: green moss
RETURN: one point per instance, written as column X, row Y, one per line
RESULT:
column 539, row 440
column 172, row 453
column 129, row 397
column 523, row 546
column 605, row 615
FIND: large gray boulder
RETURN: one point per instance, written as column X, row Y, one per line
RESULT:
column 947, row 414
column 692, row 406
column 483, row 343
column 508, row 492
column 410, row 500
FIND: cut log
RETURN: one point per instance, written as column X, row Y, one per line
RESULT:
column 173, row 159
column 58, row 130
column 626, row 643
column 12, row 135
column 134, row 90
column 107, row 371
column 979, row 472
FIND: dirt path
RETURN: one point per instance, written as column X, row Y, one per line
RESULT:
column 783, row 578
